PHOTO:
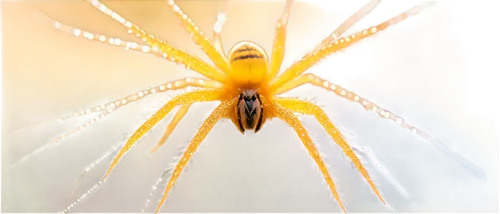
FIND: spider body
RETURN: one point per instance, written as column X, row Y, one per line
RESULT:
column 248, row 85
column 249, row 111
column 248, row 71
column 249, row 65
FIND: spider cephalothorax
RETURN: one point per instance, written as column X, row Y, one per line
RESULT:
column 249, row 111
column 246, row 83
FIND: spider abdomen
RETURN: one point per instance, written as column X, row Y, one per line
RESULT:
column 249, row 65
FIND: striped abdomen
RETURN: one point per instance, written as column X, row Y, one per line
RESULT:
column 248, row 64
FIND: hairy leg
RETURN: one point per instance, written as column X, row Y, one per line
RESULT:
column 221, row 20
column 187, row 98
column 107, row 108
column 171, row 126
column 310, row 59
column 411, row 12
column 199, row 38
column 292, row 84
column 353, row 19
column 308, row 108
column 114, row 150
column 292, row 120
column 85, row 171
column 366, row 153
column 383, row 113
column 316, row 81
column 128, row 45
column 278, row 52
column 168, row 51
column 222, row 111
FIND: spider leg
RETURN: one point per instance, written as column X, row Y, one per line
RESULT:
column 292, row 120
column 300, row 80
column 351, row 139
column 177, row 118
column 414, row 11
column 155, row 187
column 128, row 45
column 310, row 59
column 199, row 38
column 278, row 52
column 107, row 108
column 220, row 112
column 353, row 19
column 83, row 196
column 310, row 78
column 66, row 134
column 161, row 112
column 113, row 150
column 308, row 108
column 187, row 98
column 168, row 51
column 221, row 20
column 366, row 152
column 95, row 163
column 407, row 14
column 167, row 86
column 384, row 113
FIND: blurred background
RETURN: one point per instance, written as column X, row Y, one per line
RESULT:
column 437, row 70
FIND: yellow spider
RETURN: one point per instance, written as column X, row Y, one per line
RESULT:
column 247, row 82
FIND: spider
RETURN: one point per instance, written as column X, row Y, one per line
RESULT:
column 247, row 84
